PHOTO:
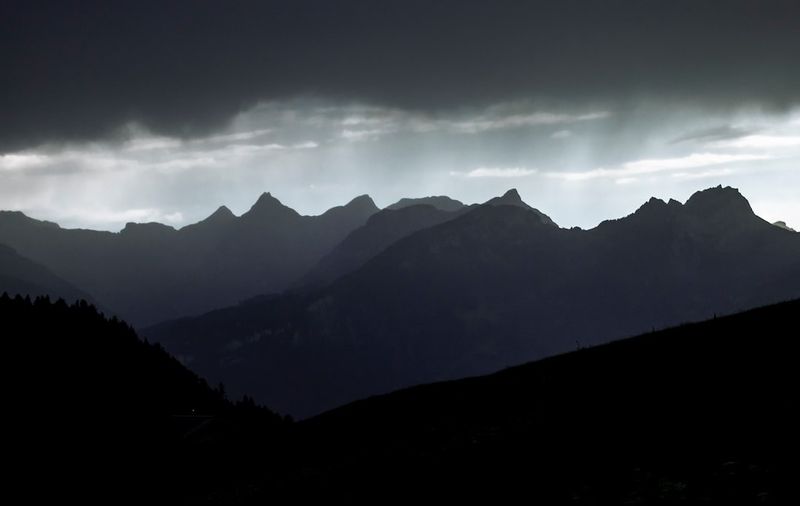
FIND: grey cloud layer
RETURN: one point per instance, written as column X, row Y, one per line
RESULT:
column 79, row 70
column 580, row 165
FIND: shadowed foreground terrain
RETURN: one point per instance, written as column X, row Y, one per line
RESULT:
column 700, row 414
column 95, row 415
column 705, row 413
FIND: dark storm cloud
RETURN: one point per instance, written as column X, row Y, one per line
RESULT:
column 77, row 70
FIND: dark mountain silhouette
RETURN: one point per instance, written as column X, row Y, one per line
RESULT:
column 150, row 272
column 75, row 348
column 95, row 413
column 392, row 224
column 20, row 276
column 512, row 198
column 381, row 230
column 441, row 202
column 699, row 414
column 494, row 287
column 88, row 404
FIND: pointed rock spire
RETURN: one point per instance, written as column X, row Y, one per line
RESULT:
column 221, row 215
column 363, row 203
column 265, row 201
column 512, row 198
column 509, row 198
column 267, row 205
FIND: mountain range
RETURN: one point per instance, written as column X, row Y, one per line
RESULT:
column 475, row 290
column 151, row 272
column 394, row 324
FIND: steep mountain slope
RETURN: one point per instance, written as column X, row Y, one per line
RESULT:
column 494, row 287
column 18, row 275
column 151, row 272
column 512, row 198
column 392, row 224
column 381, row 230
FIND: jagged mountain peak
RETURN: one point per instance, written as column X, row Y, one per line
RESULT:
column 654, row 202
column 509, row 198
column 362, row 206
column 222, row 212
column 512, row 198
column 658, row 206
column 269, row 205
column 718, row 205
column 221, row 216
column 363, row 202
column 264, row 200
column 717, row 200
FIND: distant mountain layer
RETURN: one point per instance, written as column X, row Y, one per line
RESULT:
column 150, row 272
column 390, row 225
column 440, row 202
column 494, row 287
column 381, row 230
column 20, row 276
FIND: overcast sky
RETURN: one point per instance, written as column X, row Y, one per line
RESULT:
column 140, row 111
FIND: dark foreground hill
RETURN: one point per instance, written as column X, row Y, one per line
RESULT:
column 700, row 414
column 497, row 286
column 93, row 414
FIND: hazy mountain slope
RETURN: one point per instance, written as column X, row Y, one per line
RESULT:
column 381, row 230
column 151, row 272
column 392, row 224
column 18, row 275
column 494, row 287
